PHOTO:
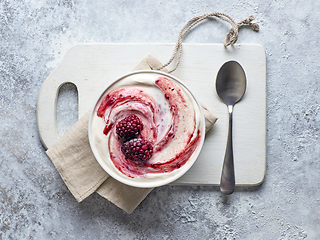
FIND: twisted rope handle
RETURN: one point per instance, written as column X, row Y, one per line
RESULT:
column 230, row 39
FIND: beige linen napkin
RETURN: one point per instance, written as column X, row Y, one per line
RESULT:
column 82, row 174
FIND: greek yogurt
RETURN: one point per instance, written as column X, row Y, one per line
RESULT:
column 172, row 122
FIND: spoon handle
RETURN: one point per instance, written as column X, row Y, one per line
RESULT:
column 227, row 182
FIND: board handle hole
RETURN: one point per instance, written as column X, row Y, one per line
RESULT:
column 66, row 108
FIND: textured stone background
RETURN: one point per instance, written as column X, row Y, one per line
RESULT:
column 35, row 203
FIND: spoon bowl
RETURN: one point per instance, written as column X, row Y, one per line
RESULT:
column 230, row 87
column 231, row 83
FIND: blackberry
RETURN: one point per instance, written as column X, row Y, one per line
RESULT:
column 129, row 127
column 137, row 149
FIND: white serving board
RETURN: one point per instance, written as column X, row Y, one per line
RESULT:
column 92, row 66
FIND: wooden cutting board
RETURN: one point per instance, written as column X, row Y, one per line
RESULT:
column 91, row 67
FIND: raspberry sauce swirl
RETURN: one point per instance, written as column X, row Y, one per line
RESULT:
column 170, row 118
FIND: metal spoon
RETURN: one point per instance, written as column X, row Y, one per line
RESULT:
column 230, row 87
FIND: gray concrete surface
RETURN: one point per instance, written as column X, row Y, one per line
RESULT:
column 35, row 203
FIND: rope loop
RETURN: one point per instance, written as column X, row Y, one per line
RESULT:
column 230, row 39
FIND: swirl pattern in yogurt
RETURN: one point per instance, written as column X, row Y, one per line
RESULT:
column 171, row 121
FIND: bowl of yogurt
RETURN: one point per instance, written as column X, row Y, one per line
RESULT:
column 146, row 129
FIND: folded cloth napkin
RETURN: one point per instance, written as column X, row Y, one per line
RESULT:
column 82, row 174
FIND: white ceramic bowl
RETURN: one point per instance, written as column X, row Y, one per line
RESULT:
column 96, row 137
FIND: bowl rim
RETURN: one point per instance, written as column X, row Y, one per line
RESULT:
column 149, row 184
